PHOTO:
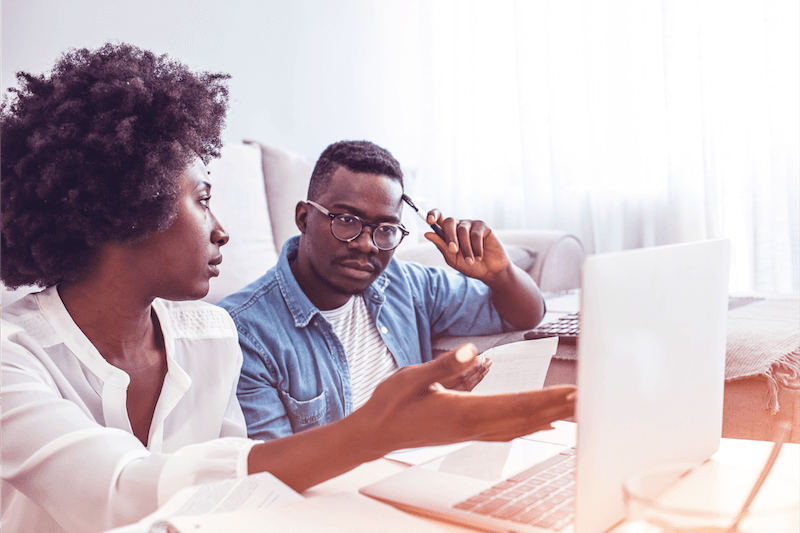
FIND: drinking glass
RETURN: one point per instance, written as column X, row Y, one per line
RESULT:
column 707, row 498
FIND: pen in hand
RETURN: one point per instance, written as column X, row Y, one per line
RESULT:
column 435, row 226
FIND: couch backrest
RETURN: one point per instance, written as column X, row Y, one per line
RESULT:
column 286, row 176
column 239, row 201
column 255, row 188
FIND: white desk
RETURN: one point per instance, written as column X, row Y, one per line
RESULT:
column 747, row 453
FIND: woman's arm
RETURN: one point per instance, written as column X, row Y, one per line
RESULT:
column 409, row 409
column 67, row 472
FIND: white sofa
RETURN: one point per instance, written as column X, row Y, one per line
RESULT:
column 256, row 188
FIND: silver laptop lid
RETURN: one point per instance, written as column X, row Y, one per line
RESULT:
column 651, row 367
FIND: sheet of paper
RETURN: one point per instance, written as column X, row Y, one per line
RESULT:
column 518, row 366
column 257, row 491
column 417, row 456
column 345, row 512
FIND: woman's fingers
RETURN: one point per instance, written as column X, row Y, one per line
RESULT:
column 448, row 367
column 413, row 407
column 521, row 413
column 469, row 378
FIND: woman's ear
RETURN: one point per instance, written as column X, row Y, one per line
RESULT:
column 300, row 216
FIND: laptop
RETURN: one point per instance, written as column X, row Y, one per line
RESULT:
column 651, row 366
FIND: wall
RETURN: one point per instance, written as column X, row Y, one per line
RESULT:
column 302, row 75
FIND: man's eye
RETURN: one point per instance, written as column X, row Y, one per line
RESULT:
column 348, row 219
column 205, row 201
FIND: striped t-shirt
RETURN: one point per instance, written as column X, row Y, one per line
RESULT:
column 368, row 357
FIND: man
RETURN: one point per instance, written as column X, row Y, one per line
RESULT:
column 337, row 315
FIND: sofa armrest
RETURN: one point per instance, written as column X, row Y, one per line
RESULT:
column 552, row 258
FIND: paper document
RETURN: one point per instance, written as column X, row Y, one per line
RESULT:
column 345, row 512
column 256, row 491
column 517, row 366
column 417, row 456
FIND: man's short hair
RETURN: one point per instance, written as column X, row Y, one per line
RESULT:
column 356, row 156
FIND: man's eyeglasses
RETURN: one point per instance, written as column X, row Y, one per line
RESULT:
column 346, row 227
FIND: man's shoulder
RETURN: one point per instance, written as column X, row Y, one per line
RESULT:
column 252, row 294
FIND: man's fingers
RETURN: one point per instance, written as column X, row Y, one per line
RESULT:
column 438, row 242
column 463, row 230
column 449, row 227
column 477, row 236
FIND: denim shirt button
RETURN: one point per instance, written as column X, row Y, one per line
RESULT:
column 384, row 330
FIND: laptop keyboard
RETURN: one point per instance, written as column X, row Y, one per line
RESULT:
column 565, row 328
column 542, row 496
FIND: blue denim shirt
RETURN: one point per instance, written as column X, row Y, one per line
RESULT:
column 295, row 374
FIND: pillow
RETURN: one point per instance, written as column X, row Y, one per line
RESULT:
column 522, row 256
column 286, row 177
column 239, row 202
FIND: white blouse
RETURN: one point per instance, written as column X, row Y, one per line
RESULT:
column 70, row 461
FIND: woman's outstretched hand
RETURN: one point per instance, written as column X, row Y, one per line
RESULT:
column 412, row 408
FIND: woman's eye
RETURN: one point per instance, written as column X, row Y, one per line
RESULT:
column 205, row 201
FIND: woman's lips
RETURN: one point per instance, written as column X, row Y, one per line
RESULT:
column 213, row 265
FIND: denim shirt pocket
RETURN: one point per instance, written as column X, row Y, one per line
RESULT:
column 305, row 414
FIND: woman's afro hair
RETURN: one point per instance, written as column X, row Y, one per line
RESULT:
column 92, row 152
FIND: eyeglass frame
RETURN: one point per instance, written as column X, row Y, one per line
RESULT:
column 364, row 224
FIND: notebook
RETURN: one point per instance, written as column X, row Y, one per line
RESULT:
column 651, row 362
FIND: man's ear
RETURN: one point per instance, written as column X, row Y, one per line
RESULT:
column 301, row 215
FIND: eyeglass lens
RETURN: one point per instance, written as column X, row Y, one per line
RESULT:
column 348, row 227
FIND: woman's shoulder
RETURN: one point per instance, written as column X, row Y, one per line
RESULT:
column 195, row 319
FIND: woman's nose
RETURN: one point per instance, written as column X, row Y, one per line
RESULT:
column 219, row 235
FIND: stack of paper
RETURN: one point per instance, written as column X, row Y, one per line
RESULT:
column 260, row 502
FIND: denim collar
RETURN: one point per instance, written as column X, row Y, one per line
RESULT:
column 300, row 307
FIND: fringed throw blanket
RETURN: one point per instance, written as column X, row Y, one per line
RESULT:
column 764, row 340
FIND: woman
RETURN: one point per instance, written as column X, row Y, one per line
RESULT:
column 118, row 389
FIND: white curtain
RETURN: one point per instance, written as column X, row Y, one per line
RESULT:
column 630, row 123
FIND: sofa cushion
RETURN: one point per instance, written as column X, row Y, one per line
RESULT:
column 286, row 176
column 558, row 267
column 239, row 202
